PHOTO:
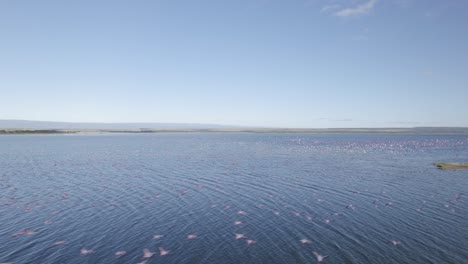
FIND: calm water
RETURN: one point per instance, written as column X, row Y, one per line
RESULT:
column 350, row 195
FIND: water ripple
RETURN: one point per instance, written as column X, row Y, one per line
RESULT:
column 356, row 198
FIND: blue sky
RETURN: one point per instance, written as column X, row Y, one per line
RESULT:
column 281, row 63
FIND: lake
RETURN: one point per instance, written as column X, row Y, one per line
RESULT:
column 232, row 198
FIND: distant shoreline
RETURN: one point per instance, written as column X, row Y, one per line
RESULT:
column 11, row 127
column 260, row 130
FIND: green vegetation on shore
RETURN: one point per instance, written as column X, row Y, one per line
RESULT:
column 451, row 166
column 33, row 131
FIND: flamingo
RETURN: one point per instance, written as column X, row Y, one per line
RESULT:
column 191, row 236
column 59, row 243
column 147, row 253
column 86, row 251
column 250, row 241
column 163, row 252
column 24, row 232
column 239, row 236
column 157, row 236
column 319, row 257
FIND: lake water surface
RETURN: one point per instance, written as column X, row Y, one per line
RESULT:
column 363, row 198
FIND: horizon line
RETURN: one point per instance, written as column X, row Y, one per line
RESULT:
column 228, row 125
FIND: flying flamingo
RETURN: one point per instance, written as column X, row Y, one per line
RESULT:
column 191, row 236
column 24, row 232
column 163, row 252
column 147, row 253
column 250, row 241
column 59, row 243
column 86, row 251
column 239, row 236
column 157, row 236
column 319, row 257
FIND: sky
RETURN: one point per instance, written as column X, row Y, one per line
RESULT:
column 269, row 63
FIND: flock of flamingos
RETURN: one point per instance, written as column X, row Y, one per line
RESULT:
column 148, row 254
column 8, row 199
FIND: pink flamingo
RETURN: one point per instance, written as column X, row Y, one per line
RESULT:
column 59, row 243
column 319, row 257
column 163, row 252
column 86, row 251
column 24, row 232
column 157, row 236
column 191, row 236
column 147, row 253
column 239, row 236
column 250, row 241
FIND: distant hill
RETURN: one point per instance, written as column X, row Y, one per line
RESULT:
column 34, row 125
column 25, row 126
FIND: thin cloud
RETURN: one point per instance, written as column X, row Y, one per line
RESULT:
column 328, row 8
column 359, row 10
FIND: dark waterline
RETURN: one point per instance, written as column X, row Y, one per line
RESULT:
column 350, row 195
